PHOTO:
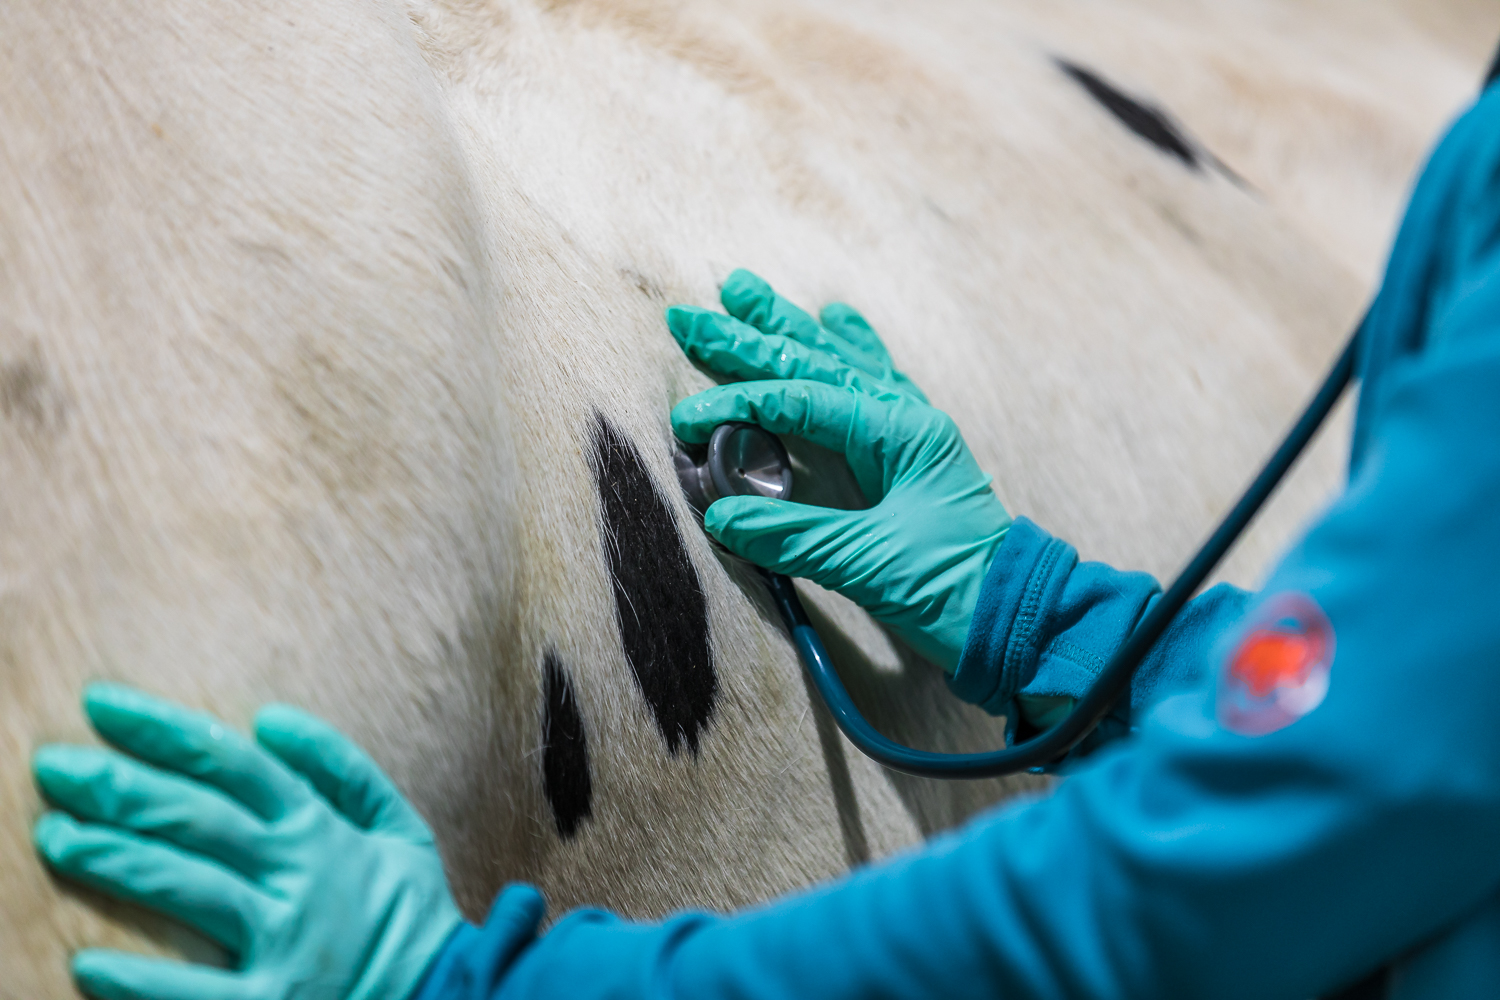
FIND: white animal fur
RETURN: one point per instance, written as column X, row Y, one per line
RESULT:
column 304, row 309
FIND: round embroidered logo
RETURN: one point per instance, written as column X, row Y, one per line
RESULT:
column 1279, row 671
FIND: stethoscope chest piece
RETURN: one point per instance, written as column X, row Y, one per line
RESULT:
column 740, row 460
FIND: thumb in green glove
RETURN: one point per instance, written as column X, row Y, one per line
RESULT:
column 916, row 559
column 293, row 852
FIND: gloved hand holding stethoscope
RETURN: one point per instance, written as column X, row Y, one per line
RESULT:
column 833, row 384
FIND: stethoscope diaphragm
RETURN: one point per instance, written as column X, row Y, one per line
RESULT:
column 739, row 460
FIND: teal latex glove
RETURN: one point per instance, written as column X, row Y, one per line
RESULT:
column 917, row 558
column 294, row 852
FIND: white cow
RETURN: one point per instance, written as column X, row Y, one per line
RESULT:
column 328, row 332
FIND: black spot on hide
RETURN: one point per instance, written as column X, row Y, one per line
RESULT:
column 659, row 600
column 1151, row 124
column 565, row 751
column 1375, row 986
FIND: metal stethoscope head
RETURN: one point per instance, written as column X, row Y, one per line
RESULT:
column 739, row 460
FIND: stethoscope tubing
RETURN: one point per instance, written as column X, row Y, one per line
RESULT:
column 1044, row 751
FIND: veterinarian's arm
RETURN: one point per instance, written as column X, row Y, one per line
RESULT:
column 927, row 559
column 1332, row 804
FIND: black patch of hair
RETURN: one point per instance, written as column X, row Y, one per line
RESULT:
column 1494, row 70
column 659, row 601
column 1146, row 121
column 565, row 751
column 1375, row 986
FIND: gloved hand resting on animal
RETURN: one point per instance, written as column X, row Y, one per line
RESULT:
column 916, row 559
column 294, row 852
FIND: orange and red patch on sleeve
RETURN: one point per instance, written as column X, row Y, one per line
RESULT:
column 1279, row 671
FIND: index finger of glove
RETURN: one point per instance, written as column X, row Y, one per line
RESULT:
column 730, row 347
column 826, row 415
column 103, row 786
column 749, row 298
column 196, row 745
column 341, row 772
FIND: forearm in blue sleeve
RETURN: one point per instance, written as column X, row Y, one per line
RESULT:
column 1046, row 624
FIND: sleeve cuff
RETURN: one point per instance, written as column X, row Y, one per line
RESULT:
column 475, row 959
column 594, row 954
column 1001, row 647
column 1046, row 624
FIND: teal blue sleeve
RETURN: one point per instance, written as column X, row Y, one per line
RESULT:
column 1190, row 861
column 1046, row 624
column 1223, row 852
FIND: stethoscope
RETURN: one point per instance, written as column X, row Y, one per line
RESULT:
column 742, row 459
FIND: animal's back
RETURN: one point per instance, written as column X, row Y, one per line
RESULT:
column 332, row 370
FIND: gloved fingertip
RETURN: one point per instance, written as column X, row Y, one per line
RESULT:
column 85, row 965
column 741, row 524
column 841, row 313
column 53, row 834
column 90, row 960
column 96, row 971
column 744, row 280
column 743, row 291
column 281, row 723
column 700, row 332
column 302, row 740
column 689, row 422
column 681, row 320
column 721, row 514
column 115, row 709
column 52, row 758
column 109, row 696
column 57, row 766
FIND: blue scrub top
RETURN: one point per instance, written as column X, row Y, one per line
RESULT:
column 1312, row 790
